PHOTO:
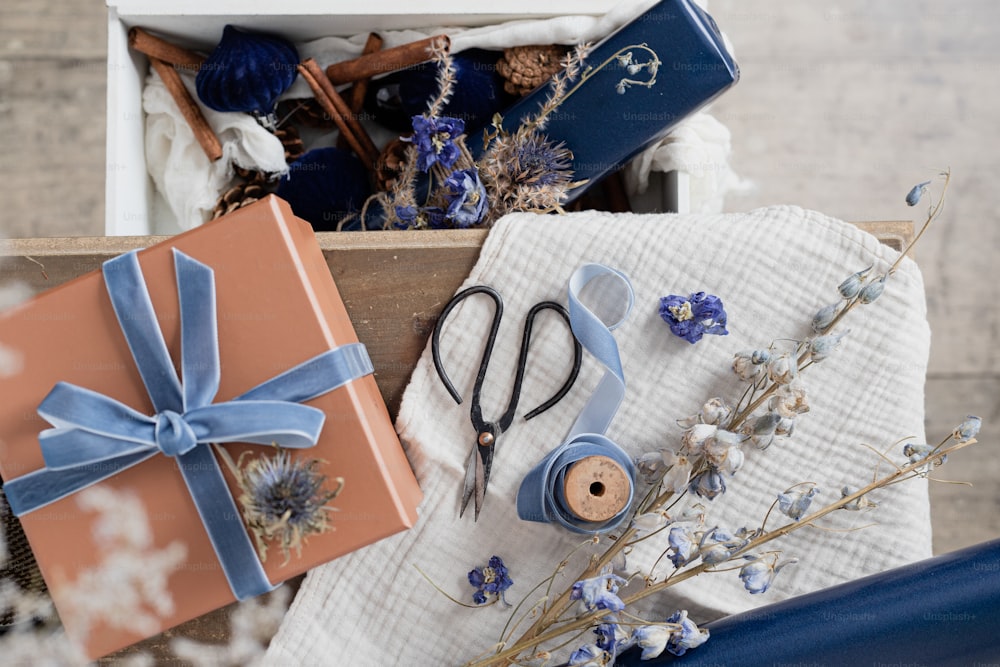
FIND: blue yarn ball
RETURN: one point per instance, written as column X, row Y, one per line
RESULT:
column 325, row 185
column 247, row 72
column 478, row 93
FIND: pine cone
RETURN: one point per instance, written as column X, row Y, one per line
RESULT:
column 389, row 164
column 527, row 67
column 290, row 139
column 253, row 187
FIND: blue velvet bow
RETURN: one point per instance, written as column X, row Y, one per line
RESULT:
column 96, row 437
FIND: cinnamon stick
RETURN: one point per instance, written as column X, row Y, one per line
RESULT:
column 154, row 47
column 389, row 60
column 356, row 94
column 337, row 108
column 189, row 109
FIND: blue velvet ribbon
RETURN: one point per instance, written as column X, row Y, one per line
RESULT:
column 96, row 437
column 540, row 496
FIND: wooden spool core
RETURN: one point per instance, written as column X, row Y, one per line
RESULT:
column 596, row 488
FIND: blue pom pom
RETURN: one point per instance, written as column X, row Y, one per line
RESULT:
column 247, row 72
column 325, row 185
column 478, row 92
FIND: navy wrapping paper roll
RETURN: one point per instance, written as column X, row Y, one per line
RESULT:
column 940, row 611
column 606, row 122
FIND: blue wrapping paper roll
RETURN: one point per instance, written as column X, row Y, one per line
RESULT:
column 627, row 105
column 940, row 611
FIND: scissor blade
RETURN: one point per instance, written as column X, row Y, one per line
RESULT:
column 480, row 485
column 469, row 487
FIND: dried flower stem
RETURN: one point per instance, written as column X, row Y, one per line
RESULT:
column 546, row 633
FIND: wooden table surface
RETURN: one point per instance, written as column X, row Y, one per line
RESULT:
column 394, row 285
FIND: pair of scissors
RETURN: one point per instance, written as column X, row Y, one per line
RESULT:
column 477, row 469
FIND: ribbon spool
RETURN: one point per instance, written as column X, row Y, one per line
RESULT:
column 587, row 483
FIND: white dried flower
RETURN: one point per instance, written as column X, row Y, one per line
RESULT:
column 782, row 369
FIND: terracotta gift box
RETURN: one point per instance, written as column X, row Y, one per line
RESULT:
column 277, row 307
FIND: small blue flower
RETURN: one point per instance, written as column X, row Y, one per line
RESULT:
column 590, row 655
column 757, row 576
column 490, row 581
column 435, row 141
column 795, row 505
column 914, row 195
column 709, row 483
column 652, row 639
column 612, row 637
column 466, row 198
column 682, row 542
column 599, row 592
column 687, row 636
column 968, row 429
column 692, row 317
column 824, row 317
column 872, row 290
column 853, row 284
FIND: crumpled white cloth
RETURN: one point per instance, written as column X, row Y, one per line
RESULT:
column 187, row 180
column 773, row 268
column 189, row 185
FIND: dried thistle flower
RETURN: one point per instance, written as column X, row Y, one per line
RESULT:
column 525, row 171
column 283, row 499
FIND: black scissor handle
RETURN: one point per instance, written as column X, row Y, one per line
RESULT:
column 487, row 349
column 522, row 362
column 476, row 410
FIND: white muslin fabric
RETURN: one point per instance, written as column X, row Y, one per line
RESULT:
column 773, row 268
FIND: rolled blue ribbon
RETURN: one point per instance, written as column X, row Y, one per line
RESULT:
column 96, row 437
column 540, row 496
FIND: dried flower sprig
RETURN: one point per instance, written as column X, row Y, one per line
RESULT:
column 709, row 452
column 283, row 499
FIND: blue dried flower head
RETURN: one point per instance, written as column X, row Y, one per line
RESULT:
column 692, row 317
column 687, row 636
column 466, row 198
column 590, row 655
column 795, row 504
column 853, row 284
column 435, row 141
column 709, row 483
column 916, row 192
column 284, row 499
column 599, row 592
column 612, row 637
column 758, row 574
column 968, row 429
column 490, row 581
column 652, row 639
column 682, row 542
column 822, row 346
column 824, row 317
column 872, row 290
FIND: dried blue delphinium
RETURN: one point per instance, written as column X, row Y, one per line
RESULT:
column 872, row 290
column 915, row 193
column 709, row 483
column 968, row 429
column 612, row 637
column 853, row 283
column 465, row 198
column 247, row 71
column 434, row 139
column 283, row 499
column 490, row 581
column 758, row 574
column 692, row 317
column 589, row 655
column 795, row 504
column 599, row 592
